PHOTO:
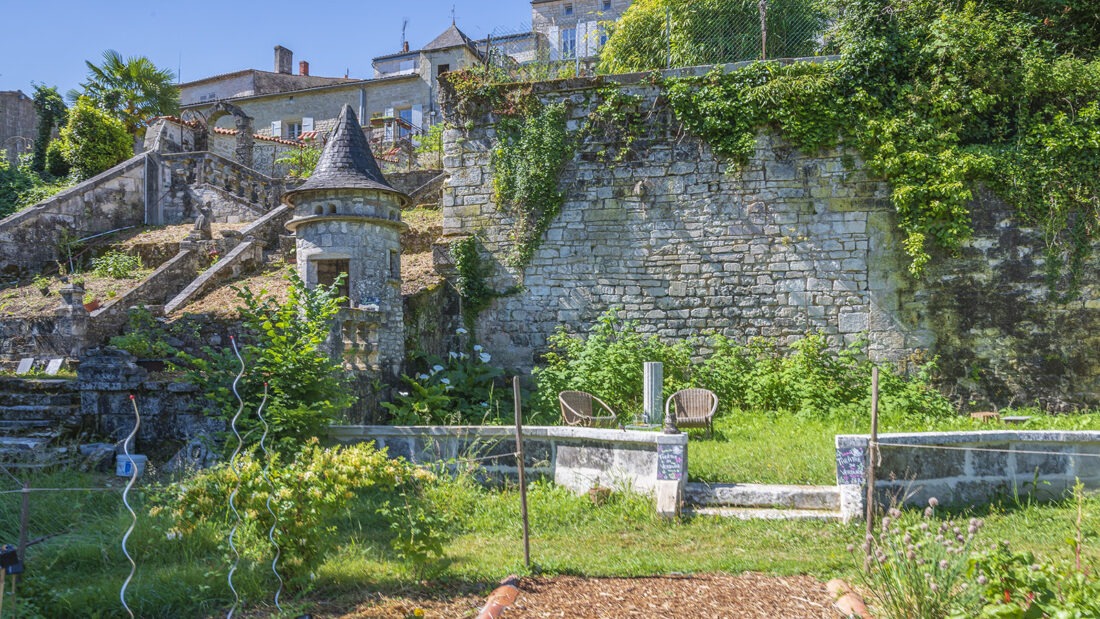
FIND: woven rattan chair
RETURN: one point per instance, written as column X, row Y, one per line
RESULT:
column 584, row 409
column 694, row 408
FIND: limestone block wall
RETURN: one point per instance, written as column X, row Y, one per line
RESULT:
column 29, row 239
column 684, row 244
column 577, row 458
column 36, row 337
column 967, row 468
column 184, row 181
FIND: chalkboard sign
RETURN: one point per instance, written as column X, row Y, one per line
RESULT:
column 670, row 462
column 850, row 465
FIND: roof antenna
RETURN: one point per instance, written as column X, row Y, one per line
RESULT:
column 404, row 27
column 452, row 14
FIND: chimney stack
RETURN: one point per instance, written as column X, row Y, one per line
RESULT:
column 284, row 58
column 303, row 68
column 406, row 46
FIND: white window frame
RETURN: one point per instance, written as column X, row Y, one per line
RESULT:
column 293, row 129
column 568, row 43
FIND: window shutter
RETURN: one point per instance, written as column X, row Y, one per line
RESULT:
column 307, row 123
column 276, row 128
column 418, row 116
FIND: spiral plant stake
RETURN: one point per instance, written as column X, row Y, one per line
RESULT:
column 237, row 487
column 270, row 495
column 126, row 502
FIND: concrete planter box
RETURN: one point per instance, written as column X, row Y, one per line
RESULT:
column 967, row 468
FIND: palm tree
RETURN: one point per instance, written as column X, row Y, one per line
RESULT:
column 131, row 89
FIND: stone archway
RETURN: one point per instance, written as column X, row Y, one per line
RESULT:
column 243, row 152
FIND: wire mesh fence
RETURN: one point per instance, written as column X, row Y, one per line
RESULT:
column 684, row 33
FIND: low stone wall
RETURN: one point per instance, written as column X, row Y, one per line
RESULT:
column 156, row 289
column 115, row 199
column 967, row 468
column 577, row 458
column 33, row 337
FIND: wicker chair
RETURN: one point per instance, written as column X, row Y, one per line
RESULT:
column 694, row 409
column 577, row 410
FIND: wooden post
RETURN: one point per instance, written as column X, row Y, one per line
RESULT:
column 872, row 454
column 24, row 521
column 522, row 476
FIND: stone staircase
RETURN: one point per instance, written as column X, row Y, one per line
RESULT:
column 763, row 501
column 37, row 418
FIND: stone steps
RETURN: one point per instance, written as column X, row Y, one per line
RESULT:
column 34, row 415
column 763, row 501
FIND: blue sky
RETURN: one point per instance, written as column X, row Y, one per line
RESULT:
column 48, row 41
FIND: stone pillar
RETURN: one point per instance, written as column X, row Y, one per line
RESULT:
column 72, row 318
column 106, row 377
column 653, row 387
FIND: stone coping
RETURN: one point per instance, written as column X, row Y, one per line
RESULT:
column 971, row 437
column 42, row 208
column 566, row 433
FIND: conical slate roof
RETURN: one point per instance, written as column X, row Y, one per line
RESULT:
column 346, row 162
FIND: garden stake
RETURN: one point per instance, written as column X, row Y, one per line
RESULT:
column 126, row 502
column 522, row 479
column 872, row 450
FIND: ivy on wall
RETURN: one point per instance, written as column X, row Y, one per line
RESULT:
column 530, row 153
column 936, row 96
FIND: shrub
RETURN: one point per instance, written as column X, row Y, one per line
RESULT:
column 307, row 493
column 93, row 141
column 56, row 165
column 144, row 338
column 116, row 265
column 13, row 182
column 283, row 346
column 609, row 362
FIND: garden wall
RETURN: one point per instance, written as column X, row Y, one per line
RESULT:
column 791, row 242
column 29, row 239
column 577, row 458
column 967, row 468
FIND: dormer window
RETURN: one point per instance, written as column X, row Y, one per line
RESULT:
column 568, row 8
column 607, row 5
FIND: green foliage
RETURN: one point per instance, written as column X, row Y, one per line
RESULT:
column 459, row 389
column 1019, row 585
column 14, row 181
column 55, row 162
column 707, row 32
column 431, row 143
column 472, row 274
column 609, row 363
column 419, row 527
column 300, row 162
column 145, row 338
column 132, row 90
column 283, row 346
column 805, row 378
column 527, row 162
column 919, row 567
column 308, row 492
column 93, row 141
column 937, row 95
column 116, row 265
column 50, row 110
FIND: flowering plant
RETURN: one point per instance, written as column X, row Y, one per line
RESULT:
column 457, row 389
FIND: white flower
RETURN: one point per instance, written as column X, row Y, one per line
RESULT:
column 484, row 405
column 461, row 331
column 478, row 348
column 462, row 355
column 445, row 381
column 453, row 354
column 484, row 357
column 437, row 368
column 403, row 394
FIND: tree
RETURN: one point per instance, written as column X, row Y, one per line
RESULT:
column 705, row 32
column 14, row 181
column 133, row 90
column 93, row 141
column 50, row 109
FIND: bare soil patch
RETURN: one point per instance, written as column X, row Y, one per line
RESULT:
column 702, row 595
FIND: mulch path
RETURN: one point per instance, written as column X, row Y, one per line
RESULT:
column 702, row 595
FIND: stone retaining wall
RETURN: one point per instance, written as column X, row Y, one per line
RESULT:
column 685, row 243
column 967, row 468
column 29, row 239
column 577, row 458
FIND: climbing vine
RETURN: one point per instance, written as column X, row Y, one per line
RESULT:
column 530, row 153
column 472, row 279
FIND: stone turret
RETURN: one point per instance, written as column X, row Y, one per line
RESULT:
column 347, row 219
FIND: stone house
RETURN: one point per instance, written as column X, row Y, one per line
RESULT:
column 17, row 123
column 573, row 29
